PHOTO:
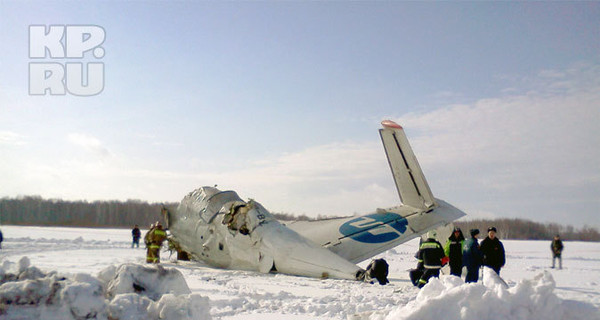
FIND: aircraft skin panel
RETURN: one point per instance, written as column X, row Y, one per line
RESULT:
column 411, row 184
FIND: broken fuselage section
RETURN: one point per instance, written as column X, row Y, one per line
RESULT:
column 224, row 231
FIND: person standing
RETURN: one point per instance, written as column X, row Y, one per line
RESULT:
column 453, row 250
column 1, row 239
column 431, row 253
column 136, row 234
column 472, row 256
column 557, row 248
column 154, row 239
column 493, row 251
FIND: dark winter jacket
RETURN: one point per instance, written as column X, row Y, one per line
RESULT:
column 453, row 249
column 493, row 253
column 557, row 247
column 136, row 234
column 431, row 254
column 472, row 256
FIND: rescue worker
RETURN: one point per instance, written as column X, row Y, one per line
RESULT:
column 557, row 248
column 147, row 235
column 493, row 251
column 472, row 256
column 136, row 235
column 154, row 239
column 377, row 269
column 415, row 274
column 453, row 250
column 431, row 254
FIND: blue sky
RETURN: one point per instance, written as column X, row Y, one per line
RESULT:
column 282, row 101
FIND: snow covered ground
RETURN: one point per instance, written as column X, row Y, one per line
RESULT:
column 50, row 270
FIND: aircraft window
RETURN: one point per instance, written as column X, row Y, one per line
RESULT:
column 220, row 246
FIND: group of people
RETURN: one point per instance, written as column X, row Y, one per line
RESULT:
column 489, row 253
column 458, row 252
column 153, row 239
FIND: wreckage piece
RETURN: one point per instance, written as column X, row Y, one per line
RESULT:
column 227, row 232
column 220, row 229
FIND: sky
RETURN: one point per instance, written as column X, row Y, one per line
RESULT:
column 281, row 101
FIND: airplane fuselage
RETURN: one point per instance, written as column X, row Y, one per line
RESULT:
column 219, row 228
column 224, row 231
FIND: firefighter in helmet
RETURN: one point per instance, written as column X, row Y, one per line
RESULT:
column 154, row 239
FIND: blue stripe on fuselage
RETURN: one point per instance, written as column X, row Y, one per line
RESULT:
column 375, row 228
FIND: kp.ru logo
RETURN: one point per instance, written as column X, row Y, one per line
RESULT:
column 60, row 43
column 375, row 228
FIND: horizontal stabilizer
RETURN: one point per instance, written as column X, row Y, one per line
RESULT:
column 358, row 238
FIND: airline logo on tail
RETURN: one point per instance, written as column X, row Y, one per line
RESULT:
column 375, row 228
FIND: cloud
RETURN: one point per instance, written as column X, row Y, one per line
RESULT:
column 89, row 143
column 533, row 153
column 530, row 152
column 11, row 138
column 332, row 179
column 521, row 140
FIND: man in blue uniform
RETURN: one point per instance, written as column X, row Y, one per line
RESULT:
column 136, row 234
column 472, row 257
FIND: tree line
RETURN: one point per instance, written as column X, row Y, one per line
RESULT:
column 36, row 211
column 521, row 229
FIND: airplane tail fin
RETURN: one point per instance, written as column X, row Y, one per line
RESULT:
column 410, row 181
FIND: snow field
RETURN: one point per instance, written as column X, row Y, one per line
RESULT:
column 104, row 256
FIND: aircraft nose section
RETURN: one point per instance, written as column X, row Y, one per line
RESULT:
column 294, row 254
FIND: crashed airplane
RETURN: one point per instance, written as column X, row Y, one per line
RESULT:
column 222, row 230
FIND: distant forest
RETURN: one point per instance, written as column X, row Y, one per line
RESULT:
column 36, row 211
column 521, row 229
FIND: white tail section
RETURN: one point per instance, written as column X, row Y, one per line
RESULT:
column 410, row 181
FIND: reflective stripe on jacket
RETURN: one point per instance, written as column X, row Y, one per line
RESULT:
column 431, row 252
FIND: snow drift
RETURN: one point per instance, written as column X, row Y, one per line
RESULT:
column 449, row 298
column 140, row 292
column 129, row 291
